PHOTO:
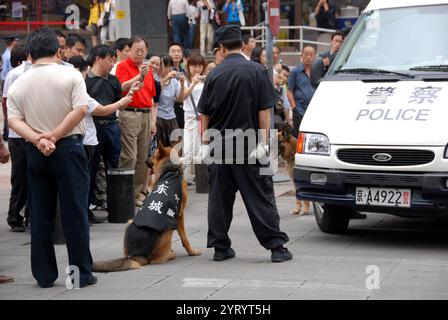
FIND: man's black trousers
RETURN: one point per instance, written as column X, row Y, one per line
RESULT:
column 19, row 181
column 63, row 174
column 258, row 195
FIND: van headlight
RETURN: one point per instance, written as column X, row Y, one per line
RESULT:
column 313, row 143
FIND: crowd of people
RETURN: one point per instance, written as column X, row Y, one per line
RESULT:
column 105, row 109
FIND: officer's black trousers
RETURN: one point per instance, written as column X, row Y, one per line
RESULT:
column 258, row 195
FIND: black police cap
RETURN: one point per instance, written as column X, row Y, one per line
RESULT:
column 11, row 38
column 228, row 32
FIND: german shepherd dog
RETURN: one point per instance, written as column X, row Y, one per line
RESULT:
column 287, row 145
column 143, row 245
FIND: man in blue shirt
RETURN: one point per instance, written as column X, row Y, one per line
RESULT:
column 232, row 8
column 10, row 41
column 300, row 89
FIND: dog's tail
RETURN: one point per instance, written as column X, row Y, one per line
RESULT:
column 119, row 264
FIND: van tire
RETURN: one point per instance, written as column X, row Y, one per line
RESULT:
column 331, row 218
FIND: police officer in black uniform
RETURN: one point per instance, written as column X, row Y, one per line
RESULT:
column 238, row 95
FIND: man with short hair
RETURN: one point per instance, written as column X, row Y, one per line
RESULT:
column 10, row 41
column 234, row 83
column 138, row 120
column 322, row 63
column 17, row 147
column 205, row 7
column 177, row 18
column 62, row 39
column 121, row 47
column 57, row 163
column 300, row 89
column 276, row 55
column 77, row 46
column 176, row 51
column 105, row 88
column 249, row 45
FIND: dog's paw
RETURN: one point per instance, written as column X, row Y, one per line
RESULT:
column 194, row 252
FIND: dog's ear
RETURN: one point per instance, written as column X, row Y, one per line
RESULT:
column 286, row 131
column 161, row 150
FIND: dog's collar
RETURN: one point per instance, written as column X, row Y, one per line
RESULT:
column 171, row 167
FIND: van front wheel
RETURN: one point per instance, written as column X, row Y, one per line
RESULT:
column 332, row 218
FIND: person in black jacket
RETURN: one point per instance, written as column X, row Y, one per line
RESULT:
column 238, row 94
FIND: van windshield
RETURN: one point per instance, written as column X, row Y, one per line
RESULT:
column 397, row 40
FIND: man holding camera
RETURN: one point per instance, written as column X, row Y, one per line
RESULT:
column 138, row 120
column 238, row 95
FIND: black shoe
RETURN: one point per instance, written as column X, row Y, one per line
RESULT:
column 223, row 254
column 18, row 228
column 44, row 286
column 95, row 219
column 92, row 280
column 280, row 254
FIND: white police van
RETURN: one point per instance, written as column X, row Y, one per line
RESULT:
column 375, row 136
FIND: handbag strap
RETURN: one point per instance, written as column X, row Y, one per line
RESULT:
column 193, row 103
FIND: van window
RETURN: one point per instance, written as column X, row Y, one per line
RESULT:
column 397, row 39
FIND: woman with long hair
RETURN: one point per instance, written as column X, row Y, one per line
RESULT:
column 259, row 56
column 194, row 85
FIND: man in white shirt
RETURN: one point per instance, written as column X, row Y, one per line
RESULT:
column 46, row 107
column 177, row 17
column 206, row 29
column 249, row 45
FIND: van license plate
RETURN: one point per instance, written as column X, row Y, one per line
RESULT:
column 383, row 197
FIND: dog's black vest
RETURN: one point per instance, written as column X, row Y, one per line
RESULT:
column 161, row 207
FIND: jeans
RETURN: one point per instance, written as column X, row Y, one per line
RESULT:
column 64, row 173
column 180, row 29
column 191, row 36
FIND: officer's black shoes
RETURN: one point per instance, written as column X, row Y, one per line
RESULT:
column 92, row 280
column 19, row 227
column 44, row 286
column 223, row 254
column 280, row 254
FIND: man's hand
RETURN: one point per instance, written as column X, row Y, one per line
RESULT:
column 4, row 153
column 326, row 61
column 260, row 152
column 48, row 136
column 181, row 79
column 153, row 128
column 136, row 86
column 144, row 69
column 46, row 146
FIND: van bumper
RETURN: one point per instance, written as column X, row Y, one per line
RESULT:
column 429, row 193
